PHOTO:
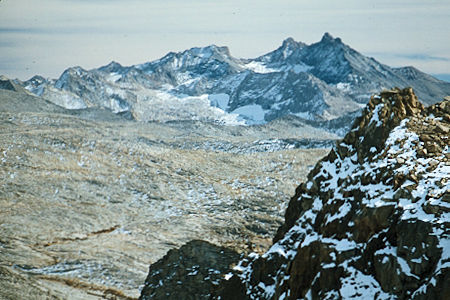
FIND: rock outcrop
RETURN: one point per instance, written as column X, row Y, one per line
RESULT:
column 190, row 272
column 371, row 221
column 7, row 84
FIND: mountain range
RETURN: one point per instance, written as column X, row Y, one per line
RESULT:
column 322, row 82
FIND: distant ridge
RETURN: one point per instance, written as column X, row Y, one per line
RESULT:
column 319, row 82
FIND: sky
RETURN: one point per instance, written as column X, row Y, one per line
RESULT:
column 47, row 36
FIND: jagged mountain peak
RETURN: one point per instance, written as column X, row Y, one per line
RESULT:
column 209, row 49
column 328, row 38
column 290, row 43
column 193, row 55
column 37, row 79
column 113, row 66
column 70, row 74
column 329, row 44
column 76, row 69
column 294, row 51
column 332, row 60
column 290, row 47
column 178, row 67
column 289, row 51
column 335, row 62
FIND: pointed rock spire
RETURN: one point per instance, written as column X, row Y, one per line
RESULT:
column 288, row 41
column 328, row 38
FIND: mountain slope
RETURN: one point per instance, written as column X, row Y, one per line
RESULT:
column 372, row 221
column 322, row 81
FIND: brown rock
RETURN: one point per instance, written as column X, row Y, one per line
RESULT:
column 432, row 147
column 426, row 138
column 442, row 128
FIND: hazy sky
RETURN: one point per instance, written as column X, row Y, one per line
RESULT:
column 47, row 36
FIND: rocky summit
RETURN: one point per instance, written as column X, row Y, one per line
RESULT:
column 371, row 221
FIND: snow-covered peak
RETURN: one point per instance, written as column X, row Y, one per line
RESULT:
column 35, row 84
column 205, row 53
column 192, row 57
column 68, row 75
column 193, row 65
column 287, row 53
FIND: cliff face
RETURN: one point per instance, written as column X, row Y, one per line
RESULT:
column 372, row 220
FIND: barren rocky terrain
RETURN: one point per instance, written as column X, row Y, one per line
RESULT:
column 88, row 200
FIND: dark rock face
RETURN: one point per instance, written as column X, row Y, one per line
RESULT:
column 7, row 84
column 372, row 221
column 190, row 272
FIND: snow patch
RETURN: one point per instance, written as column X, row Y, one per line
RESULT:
column 251, row 114
column 258, row 67
column 219, row 100
column 361, row 286
column 343, row 86
column 297, row 69
column 114, row 77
